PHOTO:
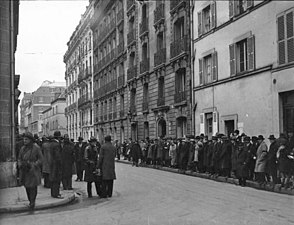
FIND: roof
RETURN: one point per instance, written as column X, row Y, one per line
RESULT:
column 47, row 83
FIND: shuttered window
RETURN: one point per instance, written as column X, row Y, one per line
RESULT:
column 207, row 18
column 208, row 68
column 285, row 37
column 237, row 7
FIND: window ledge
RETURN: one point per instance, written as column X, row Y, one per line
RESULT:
column 283, row 67
column 180, row 103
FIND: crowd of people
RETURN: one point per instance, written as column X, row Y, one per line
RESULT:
column 57, row 158
column 238, row 156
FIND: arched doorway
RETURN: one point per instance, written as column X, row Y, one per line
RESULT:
column 161, row 128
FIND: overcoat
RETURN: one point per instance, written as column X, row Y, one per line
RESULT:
column 67, row 157
column 136, row 152
column 243, row 158
column 46, row 150
column 210, row 154
column 150, row 148
column 91, row 160
column 80, row 152
column 271, row 165
column 284, row 162
column 30, row 162
column 225, row 155
column 55, row 164
column 261, row 158
column 234, row 156
column 160, row 149
column 205, row 154
column 106, row 161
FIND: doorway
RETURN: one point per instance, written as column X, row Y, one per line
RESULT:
column 288, row 113
column 229, row 127
column 161, row 128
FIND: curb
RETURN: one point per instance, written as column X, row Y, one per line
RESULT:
column 234, row 181
column 23, row 208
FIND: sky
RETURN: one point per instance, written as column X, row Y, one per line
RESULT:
column 44, row 30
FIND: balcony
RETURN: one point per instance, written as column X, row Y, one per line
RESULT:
column 131, row 36
column 120, row 48
column 121, row 114
column 132, row 72
column 176, row 3
column 179, row 46
column 81, row 76
column 159, row 13
column 130, row 4
column 160, row 57
column 144, row 26
column 119, row 16
column 180, row 96
column 121, row 80
column 160, row 101
column 83, row 100
column 145, row 106
column 144, row 66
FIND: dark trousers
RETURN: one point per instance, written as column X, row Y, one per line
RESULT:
column 97, row 186
column 79, row 168
column 67, row 183
column 55, row 188
column 242, row 181
column 107, row 188
column 260, row 177
column 32, row 194
column 47, row 183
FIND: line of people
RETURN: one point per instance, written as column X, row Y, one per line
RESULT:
column 56, row 158
column 237, row 156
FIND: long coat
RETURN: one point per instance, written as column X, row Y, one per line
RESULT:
column 225, row 155
column 46, row 150
column 234, row 156
column 106, row 161
column 30, row 162
column 243, row 158
column 55, row 164
column 210, row 154
column 136, row 152
column 80, row 151
column 91, row 161
column 284, row 162
column 261, row 158
column 160, row 149
column 67, row 156
column 271, row 165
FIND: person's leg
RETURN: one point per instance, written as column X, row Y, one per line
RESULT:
column 55, row 189
column 28, row 194
column 89, row 189
column 33, row 194
column 104, row 189
column 69, row 183
column 109, row 188
column 64, row 183
column 98, row 187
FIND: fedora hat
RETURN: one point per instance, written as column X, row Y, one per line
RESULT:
column 272, row 137
column 260, row 137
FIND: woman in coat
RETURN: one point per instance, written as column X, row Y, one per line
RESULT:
column 261, row 158
column 30, row 161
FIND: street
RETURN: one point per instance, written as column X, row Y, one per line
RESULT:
column 151, row 197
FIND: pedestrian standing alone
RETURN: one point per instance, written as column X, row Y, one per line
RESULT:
column 91, row 161
column 67, row 157
column 107, row 166
column 55, row 165
column 261, row 157
column 30, row 162
column 79, row 158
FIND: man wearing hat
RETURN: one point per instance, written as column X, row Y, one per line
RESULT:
column 271, row 166
column 243, row 157
column 29, row 162
column 55, row 165
column 225, row 157
column 252, row 161
column 261, row 159
column 79, row 158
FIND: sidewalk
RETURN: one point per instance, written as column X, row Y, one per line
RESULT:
column 249, row 183
column 15, row 199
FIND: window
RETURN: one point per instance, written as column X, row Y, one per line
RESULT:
column 133, row 101
column 160, row 43
column 208, row 68
column 285, row 38
column 41, row 99
column 180, row 80
column 237, row 7
column 122, row 102
column 207, row 19
column 242, row 55
column 179, row 29
column 160, row 100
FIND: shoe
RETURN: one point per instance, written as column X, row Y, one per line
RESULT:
column 32, row 206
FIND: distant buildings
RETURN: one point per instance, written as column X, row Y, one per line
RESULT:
column 33, row 105
column 9, row 92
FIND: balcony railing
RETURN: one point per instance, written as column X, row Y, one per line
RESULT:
column 145, row 105
column 179, row 46
column 84, row 99
column 160, row 57
column 175, row 3
column 120, row 48
column 160, row 101
column 131, row 36
column 121, row 80
column 130, row 3
column 144, row 26
column 159, row 13
column 132, row 72
column 180, row 96
column 144, row 66
column 121, row 113
column 120, row 16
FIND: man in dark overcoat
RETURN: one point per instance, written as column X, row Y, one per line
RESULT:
column 136, row 153
column 79, row 158
column 107, row 166
column 55, row 165
column 242, row 162
column 67, row 157
column 225, row 157
column 46, row 148
column 271, row 165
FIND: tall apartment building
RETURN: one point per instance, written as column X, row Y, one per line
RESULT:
column 243, row 67
column 35, row 103
column 9, row 12
column 79, row 80
column 142, row 69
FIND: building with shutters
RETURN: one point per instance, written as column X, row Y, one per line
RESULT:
column 79, row 79
column 243, row 67
column 142, row 69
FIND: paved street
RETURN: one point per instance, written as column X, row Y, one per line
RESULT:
column 151, row 197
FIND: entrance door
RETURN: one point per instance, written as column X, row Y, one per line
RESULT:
column 208, row 128
column 288, row 113
column 229, row 127
column 161, row 128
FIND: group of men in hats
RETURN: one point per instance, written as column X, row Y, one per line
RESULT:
column 239, row 156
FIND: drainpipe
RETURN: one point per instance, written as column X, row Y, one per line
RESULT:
column 192, row 67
